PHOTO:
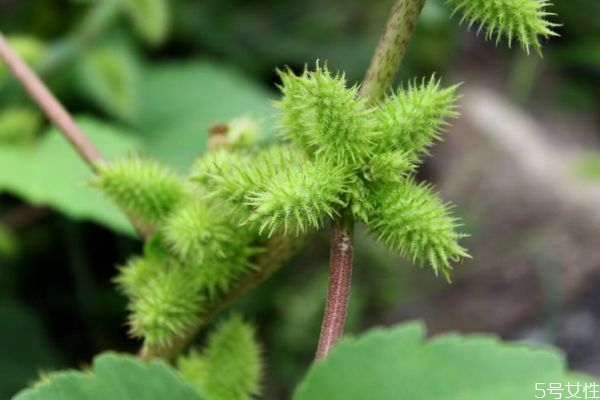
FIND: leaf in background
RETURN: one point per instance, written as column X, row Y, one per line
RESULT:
column 24, row 348
column 399, row 364
column 180, row 101
column 114, row 376
column 110, row 77
column 51, row 173
column 151, row 19
column 18, row 125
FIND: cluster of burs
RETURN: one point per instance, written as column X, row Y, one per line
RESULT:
column 341, row 158
column 243, row 207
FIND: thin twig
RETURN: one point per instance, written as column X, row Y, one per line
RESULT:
column 50, row 105
column 58, row 115
column 380, row 75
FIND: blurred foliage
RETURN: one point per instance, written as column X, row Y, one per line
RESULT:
column 52, row 174
column 24, row 354
column 152, row 76
column 114, row 376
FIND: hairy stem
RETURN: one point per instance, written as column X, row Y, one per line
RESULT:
column 380, row 75
column 338, row 293
column 57, row 114
column 391, row 49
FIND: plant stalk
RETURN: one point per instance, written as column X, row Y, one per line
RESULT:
column 391, row 49
column 50, row 105
column 57, row 114
column 378, row 79
column 338, row 293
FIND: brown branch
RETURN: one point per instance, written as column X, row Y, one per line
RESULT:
column 380, row 75
column 338, row 293
column 58, row 115
column 50, row 105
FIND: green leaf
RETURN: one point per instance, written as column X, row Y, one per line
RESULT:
column 110, row 77
column 399, row 363
column 181, row 101
column 52, row 174
column 151, row 19
column 114, row 376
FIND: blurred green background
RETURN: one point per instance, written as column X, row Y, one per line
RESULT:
column 151, row 76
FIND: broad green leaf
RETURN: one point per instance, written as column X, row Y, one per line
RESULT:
column 399, row 363
column 180, row 101
column 110, row 77
column 52, row 174
column 114, row 377
column 151, row 18
column 24, row 348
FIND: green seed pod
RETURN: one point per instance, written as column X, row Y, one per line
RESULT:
column 524, row 20
column 229, row 367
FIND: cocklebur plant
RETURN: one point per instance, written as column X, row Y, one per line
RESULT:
column 350, row 154
column 345, row 156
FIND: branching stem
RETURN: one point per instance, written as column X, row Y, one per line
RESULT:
column 380, row 75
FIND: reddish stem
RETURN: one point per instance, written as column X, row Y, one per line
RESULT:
column 340, row 277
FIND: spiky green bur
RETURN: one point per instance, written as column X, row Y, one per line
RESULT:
column 217, row 274
column 229, row 367
column 196, row 231
column 141, row 186
column 325, row 117
column 298, row 198
column 206, row 239
column 232, row 175
column 523, row 20
column 133, row 276
column 412, row 119
column 412, row 220
column 165, row 305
